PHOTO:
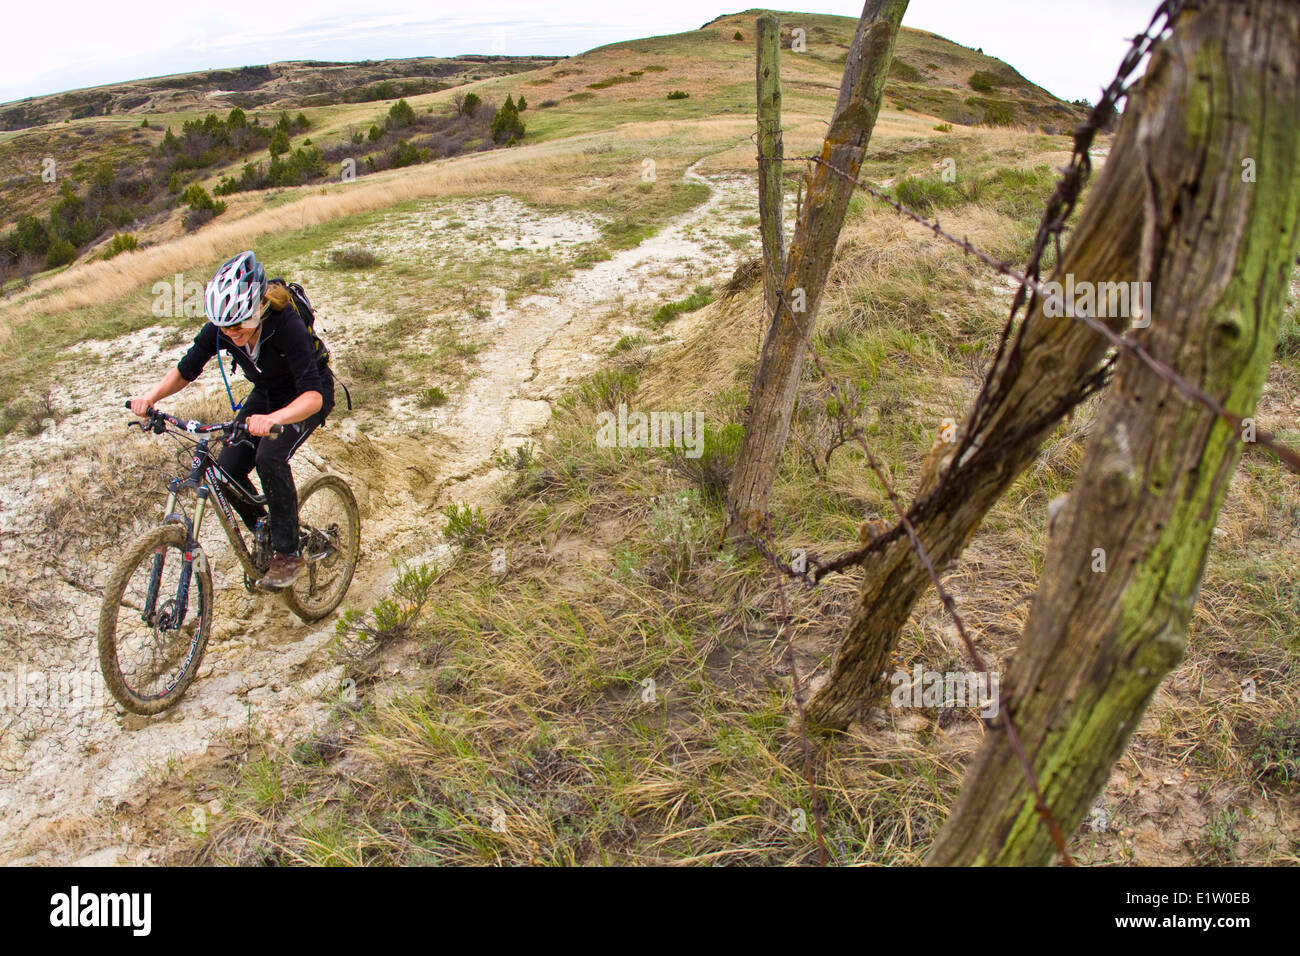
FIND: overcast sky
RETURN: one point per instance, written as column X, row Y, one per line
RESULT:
column 1071, row 47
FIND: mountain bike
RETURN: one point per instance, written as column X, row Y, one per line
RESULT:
column 158, row 603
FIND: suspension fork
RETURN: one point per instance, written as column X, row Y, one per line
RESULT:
column 194, row 481
column 159, row 555
column 187, row 563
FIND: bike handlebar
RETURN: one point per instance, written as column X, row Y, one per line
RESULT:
column 158, row 420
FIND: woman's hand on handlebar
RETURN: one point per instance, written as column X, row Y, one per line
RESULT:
column 261, row 425
column 140, row 406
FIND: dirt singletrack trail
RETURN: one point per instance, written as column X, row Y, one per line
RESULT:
column 75, row 778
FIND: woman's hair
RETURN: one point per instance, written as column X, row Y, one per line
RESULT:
column 277, row 296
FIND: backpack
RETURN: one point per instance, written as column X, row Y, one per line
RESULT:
column 302, row 305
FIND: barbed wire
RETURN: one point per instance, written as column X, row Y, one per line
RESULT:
column 1060, row 205
column 1059, row 208
column 1004, row 710
column 1195, row 393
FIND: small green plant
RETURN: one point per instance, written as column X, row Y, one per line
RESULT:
column 925, row 194
column 604, row 390
column 943, row 128
column 392, row 617
column 679, row 95
column 738, row 35
column 432, row 397
column 369, row 368
column 465, row 525
column 61, row 252
column 626, row 564
column 520, row 459
column 202, row 206
column 507, row 127
column 710, row 472
column 400, row 115
column 981, row 81
column 1218, row 844
column 1277, row 753
column 279, row 142
column 406, row 154
column 466, row 348
column 677, row 528
column 627, row 343
column 262, row 785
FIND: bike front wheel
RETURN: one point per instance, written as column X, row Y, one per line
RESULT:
column 330, row 541
column 152, row 631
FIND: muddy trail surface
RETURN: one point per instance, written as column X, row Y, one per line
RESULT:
column 77, row 773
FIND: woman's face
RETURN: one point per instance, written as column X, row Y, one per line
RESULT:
column 240, row 335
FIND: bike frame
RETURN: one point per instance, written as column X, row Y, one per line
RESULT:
column 206, row 479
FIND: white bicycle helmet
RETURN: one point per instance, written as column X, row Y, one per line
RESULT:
column 235, row 293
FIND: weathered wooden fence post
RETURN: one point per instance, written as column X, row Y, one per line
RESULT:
column 1125, row 565
column 770, row 152
column 776, row 383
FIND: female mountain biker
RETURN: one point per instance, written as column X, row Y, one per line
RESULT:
column 258, row 324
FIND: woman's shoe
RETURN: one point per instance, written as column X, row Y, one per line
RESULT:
column 284, row 569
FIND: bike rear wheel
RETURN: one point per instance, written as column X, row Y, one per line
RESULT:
column 330, row 534
column 148, row 660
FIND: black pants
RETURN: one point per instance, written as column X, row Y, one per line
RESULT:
column 271, row 456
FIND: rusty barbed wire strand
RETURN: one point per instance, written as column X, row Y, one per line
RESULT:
column 1195, row 393
column 949, row 603
column 925, row 506
column 1060, row 205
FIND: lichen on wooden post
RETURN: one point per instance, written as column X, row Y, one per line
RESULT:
column 1120, row 581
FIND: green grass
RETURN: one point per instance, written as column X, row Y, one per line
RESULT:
column 698, row 299
column 612, row 81
column 500, row 751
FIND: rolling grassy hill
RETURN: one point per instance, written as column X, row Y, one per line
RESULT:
column 85, row 131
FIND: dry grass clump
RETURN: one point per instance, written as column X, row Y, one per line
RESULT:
column 351, row 257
